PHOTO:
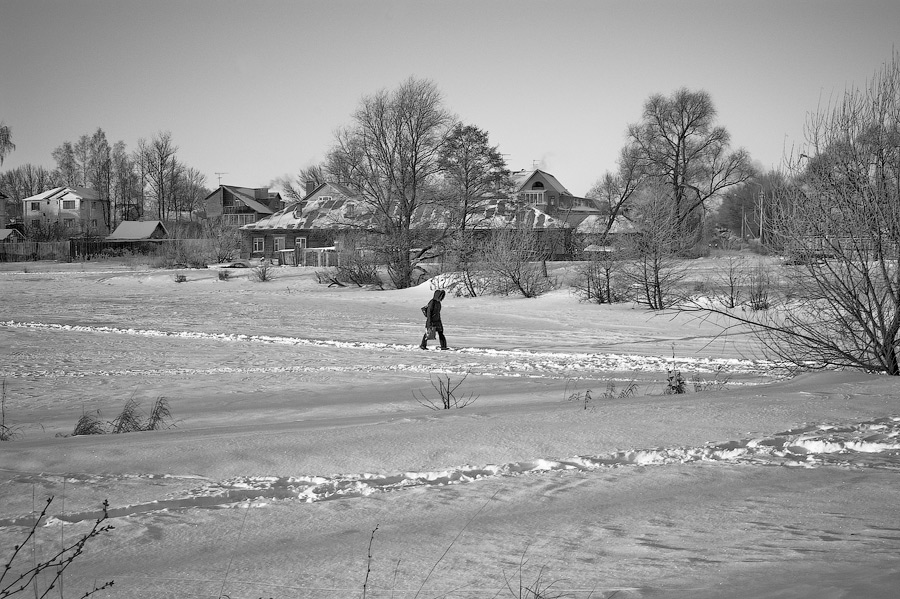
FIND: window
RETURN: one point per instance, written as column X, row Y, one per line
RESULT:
column 36, row 224
column 537, row 185
column 93, row 223
column 350, row 211
column 69, row 223
column 259, row 244
column 534, row 197
column 300, row 243
column 68, row 204
column 325, row 198
column 279, row 243
column 35, row 206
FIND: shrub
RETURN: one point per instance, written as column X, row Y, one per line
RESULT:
column 447, row 394
column 675, row 383
column 760, row 284
column 598, row 280
column 224, row 275
column 180, row 278
column 263, row 272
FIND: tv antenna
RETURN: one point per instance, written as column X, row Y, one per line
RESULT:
column 219, row 175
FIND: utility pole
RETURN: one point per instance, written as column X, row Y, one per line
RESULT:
column 219, row 175
column 762, row 216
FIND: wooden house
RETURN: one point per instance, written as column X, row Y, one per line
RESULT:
column 238, row 206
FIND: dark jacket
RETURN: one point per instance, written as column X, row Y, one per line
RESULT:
column 433, row 313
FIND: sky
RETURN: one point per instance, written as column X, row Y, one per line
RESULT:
column 254, row 91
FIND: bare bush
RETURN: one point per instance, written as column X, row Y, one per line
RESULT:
column 652, row 267
column 516, row 261
column 357, row 268
column 446, row 390
column 760, row 284
column 732, row 279
column 599, row 279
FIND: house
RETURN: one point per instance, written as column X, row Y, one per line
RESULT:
column 133, row 230
column 238, row 206
column 75, row 210
column 11, row 236
column 316, row 221
column 543, row 191
column 332, row 211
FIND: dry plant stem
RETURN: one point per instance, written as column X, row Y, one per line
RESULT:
column 450, row 546
column 231, row 559
column 56, row 564
column 369, row 562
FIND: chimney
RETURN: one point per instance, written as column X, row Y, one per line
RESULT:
column 310, row 186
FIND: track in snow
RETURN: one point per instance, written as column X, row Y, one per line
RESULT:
column 871, row 444
column 514, row 362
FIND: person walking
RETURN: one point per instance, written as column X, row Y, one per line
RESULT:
column 433, row 320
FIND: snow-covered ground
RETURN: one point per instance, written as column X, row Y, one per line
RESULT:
column 298, row 433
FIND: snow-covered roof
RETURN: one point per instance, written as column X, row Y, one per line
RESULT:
column 65, row 193
column 132, row 230
column 336, row 212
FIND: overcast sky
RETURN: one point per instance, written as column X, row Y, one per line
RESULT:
column 256, row 89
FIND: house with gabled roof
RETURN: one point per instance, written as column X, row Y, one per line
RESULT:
column 317, row 221
column 135, row 230
column 11, row 236
column 543, row 191
column 238, row 206
column 74, row 210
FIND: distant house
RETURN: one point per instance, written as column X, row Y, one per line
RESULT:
column 238, row 206
column 11, row 236
column 76, row 210
column 316, row 221
column 331, row 211
column 133, row 230
column 543, row 191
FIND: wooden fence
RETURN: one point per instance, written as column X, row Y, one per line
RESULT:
column 28, row 251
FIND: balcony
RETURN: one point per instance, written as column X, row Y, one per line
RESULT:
column 239, row 220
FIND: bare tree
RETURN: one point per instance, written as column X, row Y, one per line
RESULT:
column 652, row 265
column 615, row 191
column 190, row 191
column 295, row 189
column 844, row 211
column 677, row 144
column 390, row 156
column 162, row 167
